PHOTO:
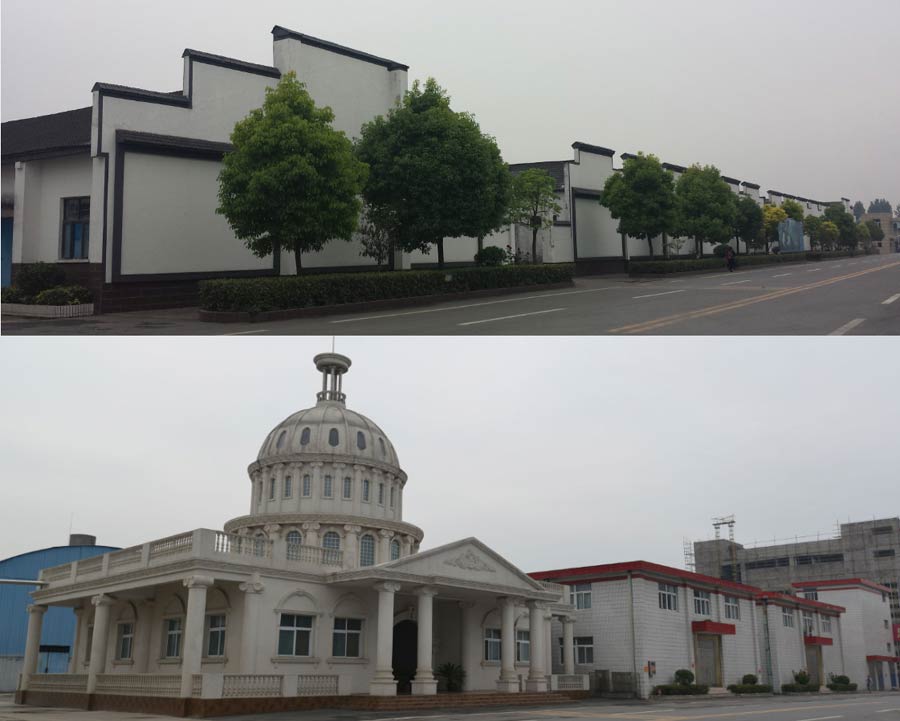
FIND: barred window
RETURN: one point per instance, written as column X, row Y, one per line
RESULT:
column 668, row 597
column 732, row 608
column 367, row 550
column 75, row 228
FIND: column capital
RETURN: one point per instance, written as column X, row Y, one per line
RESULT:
column 253, row 585
column 568, row 620
column 102, row 600
column 198, row 581
column 349, row 528
column 271, row 528
column 388, row 586
column 311, row 526
column 538, row 605
column 36, row 608
column 426, row 591
column 384, row 533
column 509, row 600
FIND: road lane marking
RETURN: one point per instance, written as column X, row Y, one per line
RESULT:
column 655, row 295
column 249, row 332
column 847, row 327
column 819, row 718
column 510, row 317
column 887, row 710
column 781, row 275
column 715, row 309
column 814, row 270
column 475, row 305
column 738, row 282
column 891, row 299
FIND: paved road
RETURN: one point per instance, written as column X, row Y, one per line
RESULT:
column 859, row 707
column 858, row 296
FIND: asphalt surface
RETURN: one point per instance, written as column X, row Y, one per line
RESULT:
column 821, row 707
column 852, row 296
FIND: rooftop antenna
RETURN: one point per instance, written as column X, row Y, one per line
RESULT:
column 717, row 525
column 689, row 560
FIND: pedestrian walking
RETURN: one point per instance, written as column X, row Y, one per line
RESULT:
column 730, row 260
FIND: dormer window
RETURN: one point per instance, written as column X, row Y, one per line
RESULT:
column 383, row 447
column 280, row 442
column 333, row 437
column 304, row 437
column 361, row 440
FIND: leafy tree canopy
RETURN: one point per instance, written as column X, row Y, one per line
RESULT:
column 292, row 180
column 773, row 216
column 829, row 234
column 533, row 202
column 705, row 206
column 812, row 226
column 793, row 209
column 863, row 237
column 642, row 198
column 858, row 210
column 748, row 219
column 433, row 172
column 845, row 223
column 880, row 206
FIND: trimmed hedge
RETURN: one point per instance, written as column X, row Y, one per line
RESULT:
column 256, row 295
column 842, row 687
column 750, row 688
column 680, row 689
column 59, row 295
column 799, row 688
column 660, row 267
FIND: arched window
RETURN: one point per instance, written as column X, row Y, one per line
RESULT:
column 331, row 542
column 304, row 437
column 333, row 437
column 395, row 550
column 294, row 541
column 361, row 440
column 259, row 544
column 383, row 447
column 367, row 550
column 280, row 442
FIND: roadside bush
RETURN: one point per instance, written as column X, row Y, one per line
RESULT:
column 256, row 295
column 684, row 677
column 720, row 250
column 801, row 677
column 839, row 679
column 750, row 688
column 64, row 295
column 32, row 278
column 749, row 679
column 680, row 689
column 491, row 255
column 658, row 267
column 842, row 687
column 799, row 688
column 826, row 254
column 12, row 295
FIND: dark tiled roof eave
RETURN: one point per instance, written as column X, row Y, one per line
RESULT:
column 595, row 149
column 556, row 169
column 281, row 33
column 58, row 134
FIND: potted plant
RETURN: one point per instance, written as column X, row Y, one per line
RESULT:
column 452, row 674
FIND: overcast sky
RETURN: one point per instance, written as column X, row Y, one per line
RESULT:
column 800, row 96
column 555, row 452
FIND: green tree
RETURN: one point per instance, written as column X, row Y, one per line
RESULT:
column 859, row 210
column 432, row 172
column 812, row 225
column 292, row 180
column 876, row 233
column 705, row 206
column 845, row 223
column 375, row 238
column 748, row 221
column 533, row 203
column 880, row 206
column 829, row 234
column 862, row 237
column 773, row 216
column 793, row 209
column 641, row 198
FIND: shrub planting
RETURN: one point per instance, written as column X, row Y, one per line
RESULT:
column 689, row 265
column 492, row 255
column 749, row 679
column 750, row 688
column 256, row 295
column 840, row 684
column 64, row 295
column 799, row 688
column 680, row 689
column 32, row 278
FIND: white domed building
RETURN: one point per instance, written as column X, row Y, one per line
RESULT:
column 319, row 590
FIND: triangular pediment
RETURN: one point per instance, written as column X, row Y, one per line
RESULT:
column 467, row 560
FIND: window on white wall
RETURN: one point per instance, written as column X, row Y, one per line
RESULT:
column 811, row 595
column 809, row 625
column 732, row 608
column 172, row 645
column 272, row 488
column 668, row 597
column 294, row 635
column 787, row 617
column 89, row 643
column 348, row 487
column 584, row 650
column 307, row 486
column 367, row 551
column 215, row 635
column 124, row 641
column 381, row 494
column 702, row 603
column 76, row 225
column 345, row 642
column 395, row 550
column 327, row 487
column 580, row 595
column 365, row 490
column 523, row 646
column 492, row 644
column 826, row 624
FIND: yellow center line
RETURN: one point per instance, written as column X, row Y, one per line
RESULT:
column 734, row 305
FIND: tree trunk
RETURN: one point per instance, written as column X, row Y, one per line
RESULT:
column 534, row 233
column 440, row 246
column 665, row 242
column 480, row 243
column 650, row 244
column 392, row 256
column 298, row 253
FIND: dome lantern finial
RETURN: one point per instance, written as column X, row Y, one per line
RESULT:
column 332, row 366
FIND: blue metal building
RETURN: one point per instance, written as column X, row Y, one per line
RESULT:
column 58, row 632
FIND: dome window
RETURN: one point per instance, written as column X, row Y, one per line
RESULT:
column 294, row 540
column 331, row 542
column 367, row 551
column 383, row 447
column 333, row 437
column 280, row 442
column 395, row 550
column 304, row 437
column 361, row 440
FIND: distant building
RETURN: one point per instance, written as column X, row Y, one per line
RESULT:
column 891, row 227
column 57, row 638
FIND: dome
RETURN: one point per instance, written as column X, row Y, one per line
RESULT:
column 329, row 428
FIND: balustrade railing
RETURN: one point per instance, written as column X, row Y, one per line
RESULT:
column 182, row 543
column 58, row 682
column 236, row 545
column 315, row 554
column 125, row 557
column 56, row 573
column 251, row 685
column 309, row 685
column 94, row 564
column 139, row 684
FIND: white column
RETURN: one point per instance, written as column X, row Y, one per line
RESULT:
column 568, row 645
column 425, row 683
column 311, row 534
column 279, row 544
column 508, row 681
column 351, row 545
column 192, row 652
column 470, row 643
column 537, row 679
column 142, row 642
column 97, row 665
column 548, row 643
column 32, row 644
column 252, row 590
column 383, row 683
column 384, row 546
column 76, row 642
column 406, row 544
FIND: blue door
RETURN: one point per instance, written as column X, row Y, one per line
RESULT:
column 7, row 251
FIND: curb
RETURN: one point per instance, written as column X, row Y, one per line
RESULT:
column 650, row 276
column 213, row 316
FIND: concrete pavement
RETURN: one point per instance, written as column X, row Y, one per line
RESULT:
column 853, row 296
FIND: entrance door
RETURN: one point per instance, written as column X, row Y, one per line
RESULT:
column 7, row 251
column 406, row 654
column 709, row 658
column 814, row 664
